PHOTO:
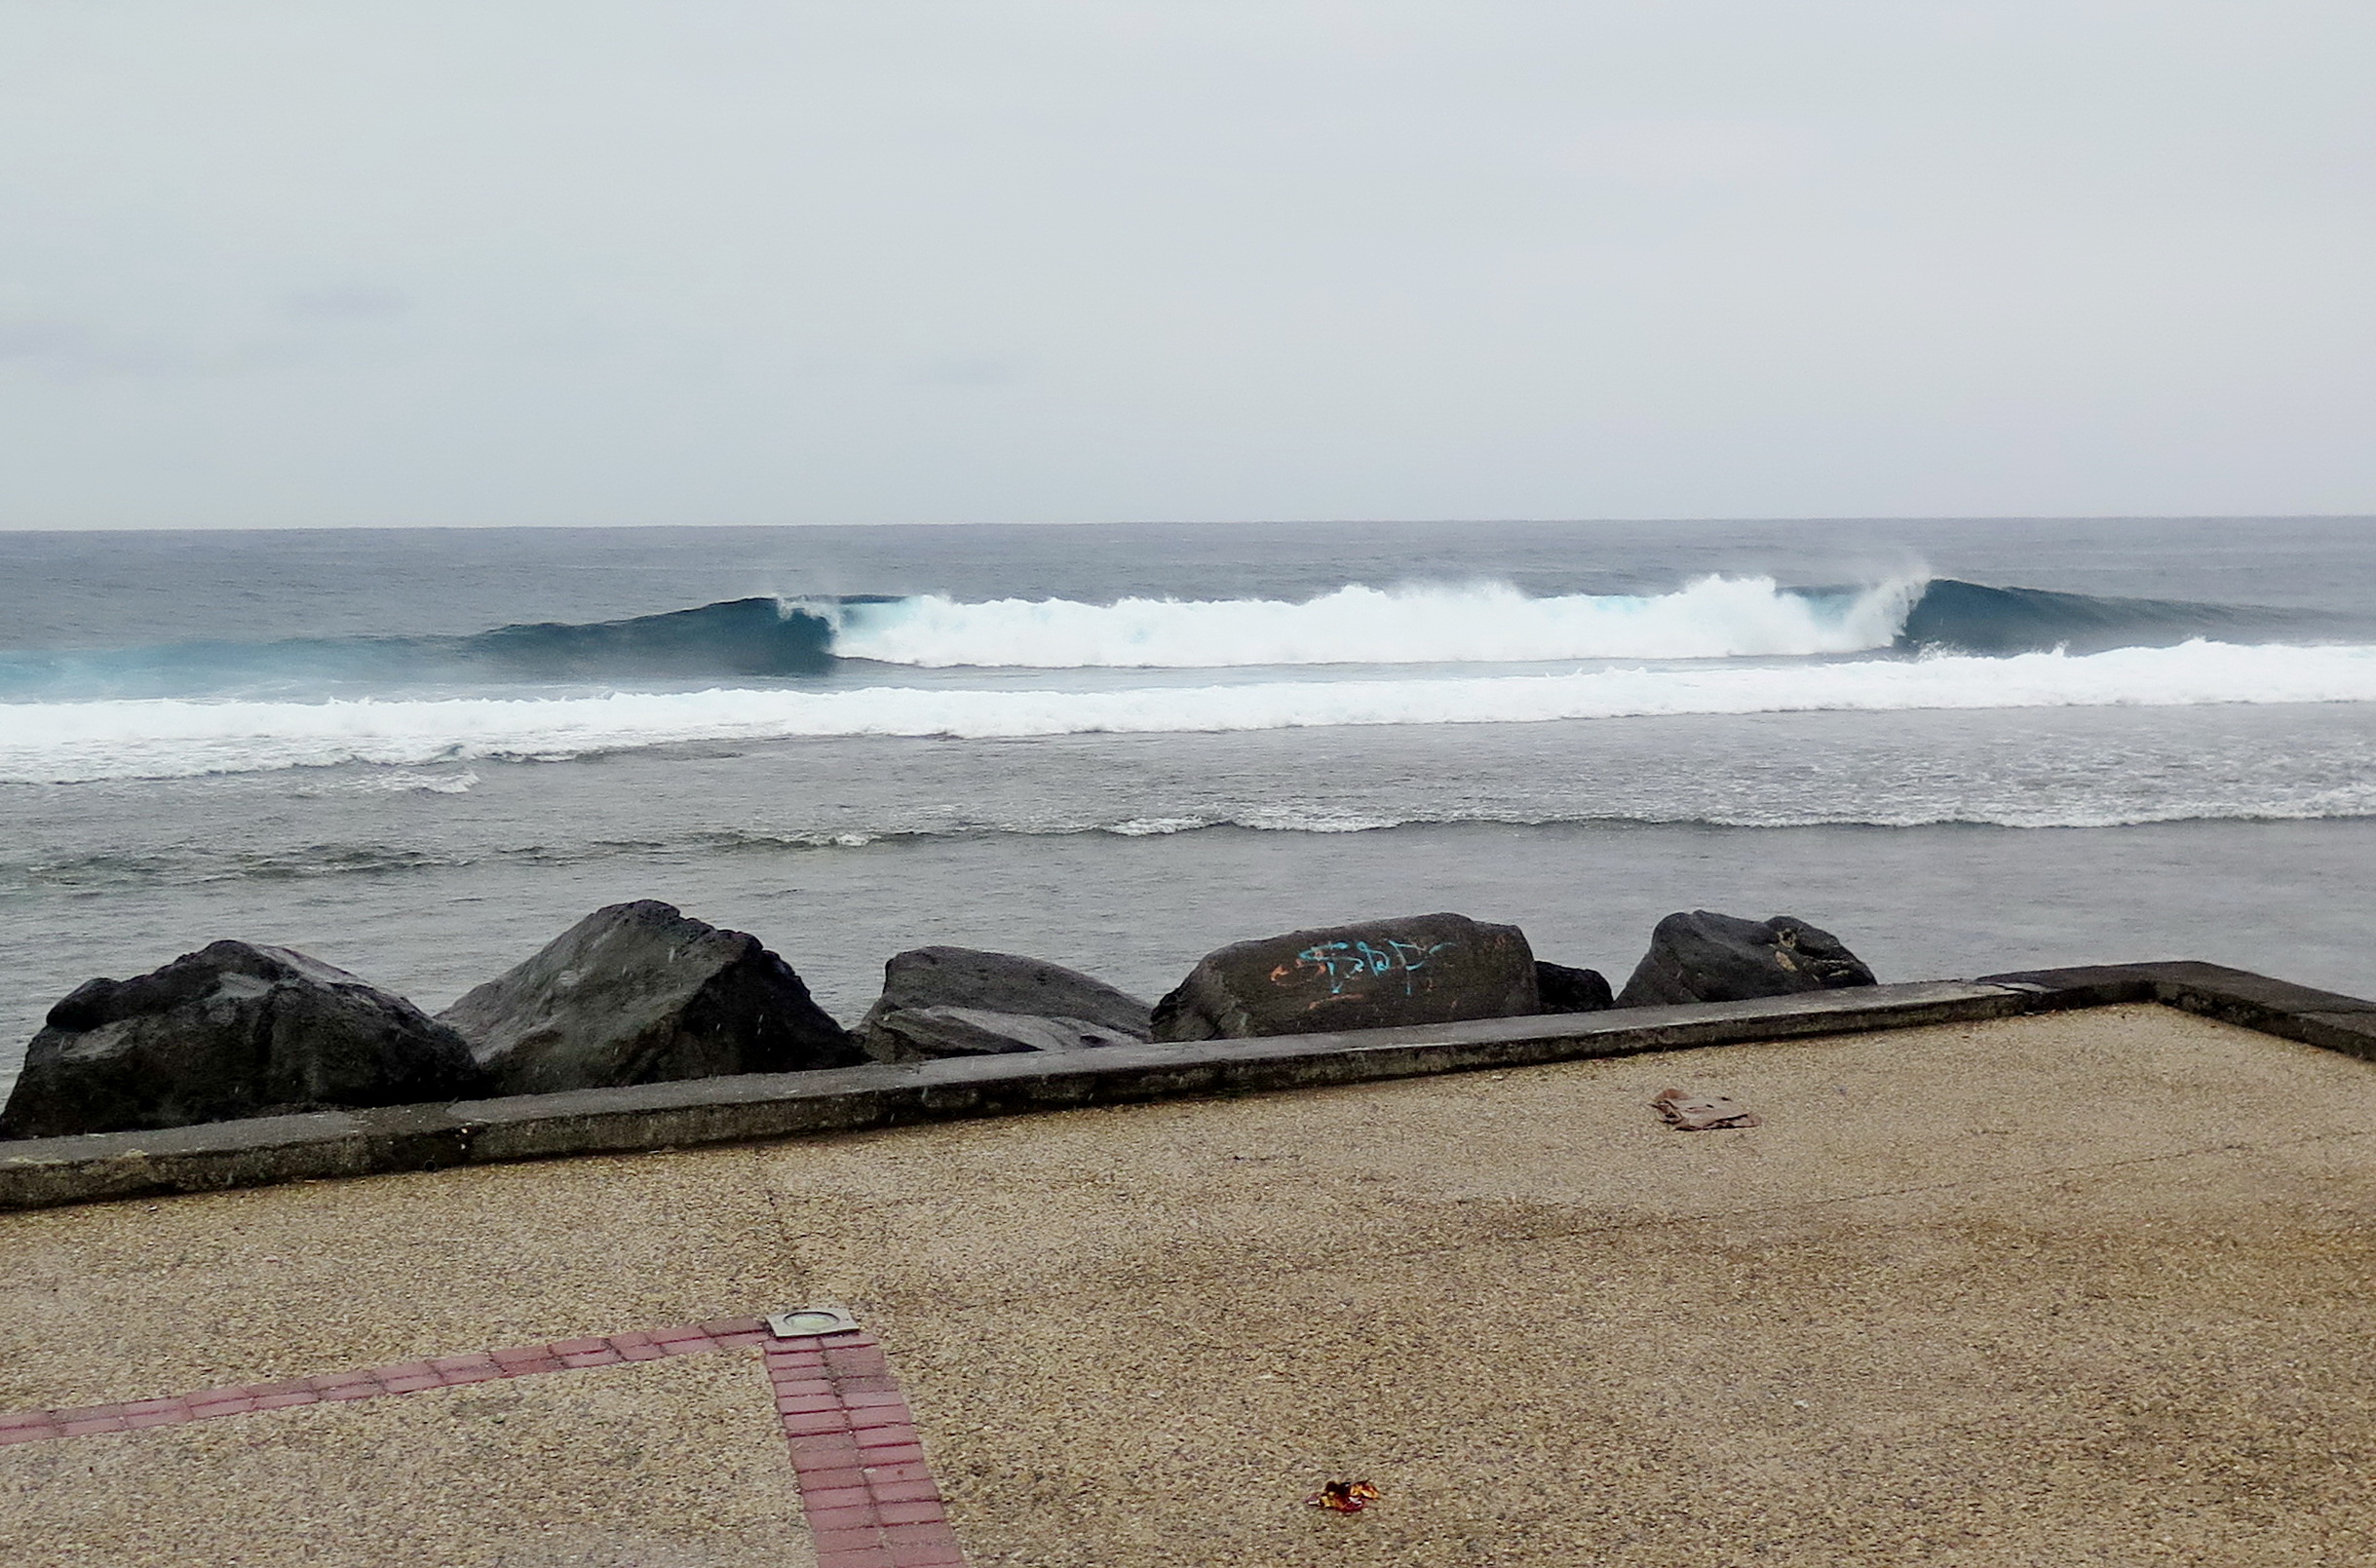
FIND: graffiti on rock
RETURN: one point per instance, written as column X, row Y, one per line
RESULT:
column 1358, row 967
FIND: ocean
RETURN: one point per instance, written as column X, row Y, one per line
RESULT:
column 1962, row 747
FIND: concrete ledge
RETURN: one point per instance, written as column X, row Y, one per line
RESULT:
column 44, row 1172
column 2327, row 1019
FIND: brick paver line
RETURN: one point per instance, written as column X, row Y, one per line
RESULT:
column 867, row 1494
column 869, row 1498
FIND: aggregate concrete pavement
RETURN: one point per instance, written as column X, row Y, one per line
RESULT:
column 661, row 1465
column 2082, row 1287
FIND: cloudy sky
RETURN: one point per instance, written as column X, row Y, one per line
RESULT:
column 479, row 262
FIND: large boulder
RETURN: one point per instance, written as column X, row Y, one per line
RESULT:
column 233, row 1031
column 1706, row 957
column 958, row 1001
column 1422, row 969
column 638, row 993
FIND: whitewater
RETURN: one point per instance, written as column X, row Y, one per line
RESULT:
column 1712, row 617
column 67, row 743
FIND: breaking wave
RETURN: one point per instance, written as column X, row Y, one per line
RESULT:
column 163, row 737
column 1712, row 618
column 1716, row 617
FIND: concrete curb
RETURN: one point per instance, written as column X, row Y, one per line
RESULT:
column 2327, row 1019
column 45, row 1172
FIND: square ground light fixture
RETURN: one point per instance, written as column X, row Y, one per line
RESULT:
column 810, row 1323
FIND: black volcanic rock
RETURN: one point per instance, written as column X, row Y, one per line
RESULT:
column 1421, row 968
column 1571, row 990
column 959, row 1002
column 1706, row 957
column 233, row 1031
column 638, row 993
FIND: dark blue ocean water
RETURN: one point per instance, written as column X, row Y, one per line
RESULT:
column 1119, row 746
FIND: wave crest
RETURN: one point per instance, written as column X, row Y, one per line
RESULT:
column 1712, row 617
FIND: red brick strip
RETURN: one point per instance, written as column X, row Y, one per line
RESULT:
column 869, row 1497
column 407, row 1377
column 863, row 1483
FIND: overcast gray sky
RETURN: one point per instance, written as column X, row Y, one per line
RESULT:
column 469, row 262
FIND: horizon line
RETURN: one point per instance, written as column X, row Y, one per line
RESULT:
column 1209, row 522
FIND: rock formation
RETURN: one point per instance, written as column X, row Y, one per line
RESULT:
column 1706, row 957
column 958, row 1001
column 1422, row 969
column 1571, row 990
column 638, row 993
column 233, row 1031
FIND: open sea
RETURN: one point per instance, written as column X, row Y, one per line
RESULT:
column 1963, row 747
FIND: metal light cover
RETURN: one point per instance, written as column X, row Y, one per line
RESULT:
column 810, row 1323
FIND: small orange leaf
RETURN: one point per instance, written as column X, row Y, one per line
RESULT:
column 1344, row 1497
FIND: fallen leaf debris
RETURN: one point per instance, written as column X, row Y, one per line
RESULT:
column 1344, row 1497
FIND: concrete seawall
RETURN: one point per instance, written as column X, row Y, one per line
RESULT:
column 45, row 1172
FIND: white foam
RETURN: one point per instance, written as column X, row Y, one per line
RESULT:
column 399, row 782
column 1156, row 826
column 1265, row 820
column 76, row 741
column 1711, row 618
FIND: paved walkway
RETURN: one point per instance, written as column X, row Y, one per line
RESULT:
column 2086, row 1288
